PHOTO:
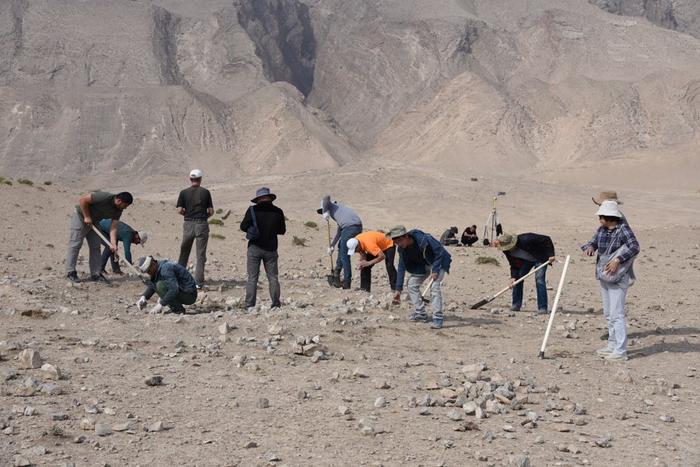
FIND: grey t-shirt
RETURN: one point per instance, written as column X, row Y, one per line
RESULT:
column 101, row 207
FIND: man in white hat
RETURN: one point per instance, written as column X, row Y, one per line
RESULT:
column 127, row 235
column 195, row 204
column 373, row 247
column 172, row 282
column 262, row 223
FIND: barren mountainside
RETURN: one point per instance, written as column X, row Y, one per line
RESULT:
column 141, row 88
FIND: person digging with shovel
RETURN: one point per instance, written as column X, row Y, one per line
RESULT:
column 349, row 225
column 424, row 258
column 172, row 282
column 524, row 252
column 127, row 235
column 91, row 208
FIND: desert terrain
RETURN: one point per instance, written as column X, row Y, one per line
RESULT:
column 411, row 112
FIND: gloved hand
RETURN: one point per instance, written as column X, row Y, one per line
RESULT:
column 331, row 249
column 141, row 303
column 156, row 309
column 326, row 215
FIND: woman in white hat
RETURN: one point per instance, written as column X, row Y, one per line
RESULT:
column 617, row 247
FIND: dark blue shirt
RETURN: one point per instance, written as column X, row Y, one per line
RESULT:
column 177, row 279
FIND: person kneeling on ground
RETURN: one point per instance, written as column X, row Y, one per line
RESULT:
column 373, row 247
column 524, row 252
column 422, row 256
column 449, row 237
column 172, row 282
column 469, row 236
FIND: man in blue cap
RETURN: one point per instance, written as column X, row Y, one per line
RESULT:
column 263, row 222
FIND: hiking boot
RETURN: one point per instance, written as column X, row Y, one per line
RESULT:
column 616, row 357
column 99, row 278
column 605, row 337
column 418, row 318
column 346, row 285
column 436, row 324
column 73, row 277
column 515, row 308
column 604, row 352
column 117, row 272
column 177, row 309
column 542, row 311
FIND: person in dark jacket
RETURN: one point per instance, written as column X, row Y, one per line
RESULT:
column 524, row 252
column 469, row 236
column 172, row 282
column 268, row 220
column 423, row 257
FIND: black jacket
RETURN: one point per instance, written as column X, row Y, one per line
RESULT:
column 270, row 220
column 539, row 246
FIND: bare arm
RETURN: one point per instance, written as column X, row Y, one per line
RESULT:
column 84, row 202
column 113, row 235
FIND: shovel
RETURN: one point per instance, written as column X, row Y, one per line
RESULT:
column 426, row 290
column 331, row 277
column 500, row 292
column 107, row 242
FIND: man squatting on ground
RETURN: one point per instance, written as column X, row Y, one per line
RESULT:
column 127, row 236
column 269, row 221
column 349, row 225
column 422, row 256
column 91, row 208
column 373, row 247
column 194, row 203
column 524, row 252
column 171, row 281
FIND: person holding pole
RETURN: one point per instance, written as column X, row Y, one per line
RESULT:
column 349, row 225
column 524, row 252
column 617, row 248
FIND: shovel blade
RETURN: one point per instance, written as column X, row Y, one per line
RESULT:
column 479, row 304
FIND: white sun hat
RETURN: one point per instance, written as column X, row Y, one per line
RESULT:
column 352, row 246
column 609, row 208
column 196, row 173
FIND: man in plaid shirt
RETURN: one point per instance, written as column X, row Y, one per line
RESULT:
column 611, row 236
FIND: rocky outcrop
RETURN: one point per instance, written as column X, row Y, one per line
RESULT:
column 284, row 39
column 678, row 15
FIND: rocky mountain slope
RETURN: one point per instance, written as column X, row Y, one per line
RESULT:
column 131, row 90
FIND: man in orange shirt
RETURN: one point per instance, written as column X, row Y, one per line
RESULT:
column 373, row 247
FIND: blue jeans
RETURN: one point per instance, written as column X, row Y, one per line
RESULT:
column 540, row 283
column 343, row 261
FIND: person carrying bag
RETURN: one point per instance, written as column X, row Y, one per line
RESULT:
column 613, row 271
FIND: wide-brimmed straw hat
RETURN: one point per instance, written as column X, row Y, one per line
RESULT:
column 609, row 208
column 507, row 241
column 606, row 195
column 397, row 231
column 264, row 191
